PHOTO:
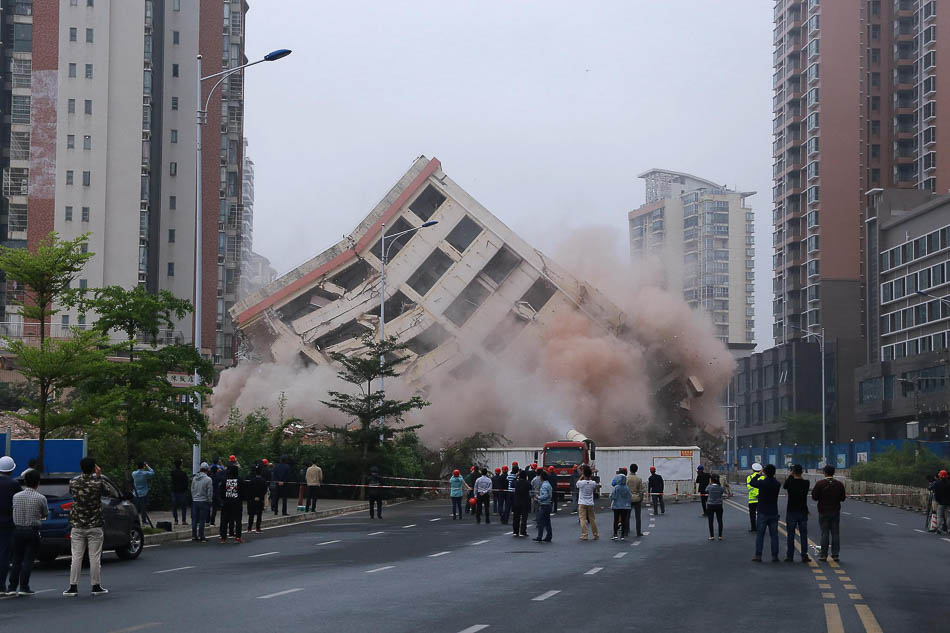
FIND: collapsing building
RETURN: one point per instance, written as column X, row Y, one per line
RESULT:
column 467, row 295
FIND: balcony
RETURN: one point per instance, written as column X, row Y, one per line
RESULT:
column 30, row 332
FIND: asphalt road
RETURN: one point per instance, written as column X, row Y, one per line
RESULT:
column 418, row 570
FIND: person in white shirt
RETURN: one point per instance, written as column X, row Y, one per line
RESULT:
column 482, row 496
column 585, row 503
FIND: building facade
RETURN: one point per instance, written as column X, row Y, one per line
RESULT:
column 906, row 379
column 705, row 235
column 106, row 146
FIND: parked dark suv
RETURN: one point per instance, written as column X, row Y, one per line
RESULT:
column 122, row 529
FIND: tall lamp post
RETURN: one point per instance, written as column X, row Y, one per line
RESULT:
column 824, row 387
column 200, row 115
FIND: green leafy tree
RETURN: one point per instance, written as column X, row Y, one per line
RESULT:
column 374, row 416
column 137, row 400
column 46, row 273
column 802, row 428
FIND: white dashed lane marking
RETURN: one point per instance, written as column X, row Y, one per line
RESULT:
column 374, row 533
column 280, row 593
column 889, row 523
column 264, row 554
column 373, row 571
column 437, row 554
column 592, row 571
column 409, row 526
column 474, row 628
column 165, row 571
column 435, row 520
column 546, row 595
column 921, row 531
column 866, row 518
column 620, row 554
column 479, row 542
column 329, row 542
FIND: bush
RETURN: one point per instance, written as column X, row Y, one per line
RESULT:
column 906, row 467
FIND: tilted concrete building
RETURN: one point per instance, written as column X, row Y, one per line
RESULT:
column 464, row 294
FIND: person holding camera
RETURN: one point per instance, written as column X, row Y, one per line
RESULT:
column 85, row 519
column 941, row 490
column 140, row 486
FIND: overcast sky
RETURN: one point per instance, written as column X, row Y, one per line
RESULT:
column 544, row 111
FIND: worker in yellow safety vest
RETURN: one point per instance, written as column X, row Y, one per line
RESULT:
column 753, row 493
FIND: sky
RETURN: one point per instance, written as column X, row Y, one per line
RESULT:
column 545, row 112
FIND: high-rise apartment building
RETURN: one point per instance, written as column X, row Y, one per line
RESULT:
column 247, row 220
column 704, row 233
column 105, row 95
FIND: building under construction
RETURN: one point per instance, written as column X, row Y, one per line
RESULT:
column 465, row 294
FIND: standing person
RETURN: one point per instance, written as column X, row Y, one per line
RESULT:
column 575, row 477
column 535, row 489
column 796, row 512
column 543, row 518
column 85, row 517
column 511, row 477
column 655, row 488
column 140, row 486
column 202, row 492
column 8, row 488
column 457, row 488
column 256, row 490
column 217, row 474
column 753, row 493
column 29, row 510
column 829, row 493
column 552, row 479
column 483, row 487
column 282, row 475
column 620, row 503
column 374, row 492
column 314, row 480
column 470, row 482
column 496, row 491
column 521, row 505
column 767, row 515
column 941, row 492
column 585, row 503
column 179, row 493
column 714, row 494
column 504, row 501
column 635, row 484
column 702, row 481
column 232, row 494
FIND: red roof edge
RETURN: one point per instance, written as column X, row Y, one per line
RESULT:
column 316, row 273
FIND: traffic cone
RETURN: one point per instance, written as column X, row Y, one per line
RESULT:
column 933, row 521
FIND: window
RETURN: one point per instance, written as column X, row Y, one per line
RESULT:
column 69, row 176
column 83, row 283
column 65, row 320
column 812, row 145
column 813, row 194
column 86, row 178
column 812, row 72
column 176, row 5
column 72, row 33
column 430, row 272
column 69, row 214
column 876, row 80
column 174, row 136
column 89, row 36
column 463, row 234
column 85, row 214
column 813, row 23
column 427, row 203
column 172, row 202
column 71, row 106
column 87, row 142
column 174, row 103
column 813, row 268
column 875, row 175
column 875, row 56
column 813, row 97
column 930, row 109
column 812, row 243
column 813, row 121
column 171, row 269
column 70, row 141
column 930, row 135
column 22, row 38
column 875, row 31
column 813, row 47
column 87, row 106
column 812, row 219
column 72, row 70
column 875, row 151
column 813, row 169
column 930, row 34
column 176, row 38
column 875, row 103
column 465, row 304
column 171, row 236
column 88, row 71
column 174, row 70
column 172, row 168
column 20, row 109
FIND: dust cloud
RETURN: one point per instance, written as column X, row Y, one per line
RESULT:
column 574, row 374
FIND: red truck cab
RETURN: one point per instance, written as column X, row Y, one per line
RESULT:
column 563, row 455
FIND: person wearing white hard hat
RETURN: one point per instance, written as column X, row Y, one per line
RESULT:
column 753, row 494
column 8, row 487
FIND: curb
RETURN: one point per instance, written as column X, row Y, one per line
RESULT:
column 214, row 530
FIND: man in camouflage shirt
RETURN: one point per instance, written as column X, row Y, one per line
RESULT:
column 86, row 519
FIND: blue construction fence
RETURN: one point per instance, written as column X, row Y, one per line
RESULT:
column 840, row 455
column 61, row 456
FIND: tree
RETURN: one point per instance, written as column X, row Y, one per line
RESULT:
column 136, row 399
column 46, row 273
column 802, row 428
column 375, row 415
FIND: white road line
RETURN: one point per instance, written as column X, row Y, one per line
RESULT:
column 946, row 539
column 409, row 526
column 546, row 595
column 474, row 628
column 374, row 533
column 329, row 542
column 144, row 546
column 843, row 512
column 165, row 571
column 635, row 543
column 592, row 571
column 44, row 590
column 436, row 519
column 480, row 542
column 866, row 518
column 437, row 554
column 264, row 554
column 279, row 593
column 889, row 523
column 646, row 534
column 373, row 571
column 921, row 531
column 620, row 554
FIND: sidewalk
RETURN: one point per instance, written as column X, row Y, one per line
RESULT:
column 325, row 508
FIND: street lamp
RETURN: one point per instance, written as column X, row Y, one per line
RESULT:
column 384, row 257
column 200, row 115
column 824, row 387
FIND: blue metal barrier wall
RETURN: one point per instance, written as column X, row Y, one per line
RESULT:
column 840, row 455
column 61, row 456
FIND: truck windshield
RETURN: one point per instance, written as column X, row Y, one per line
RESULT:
column 567, row 456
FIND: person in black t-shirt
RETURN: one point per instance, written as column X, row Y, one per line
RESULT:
column 796, row 512
column 180, row 487
column 702, row 481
